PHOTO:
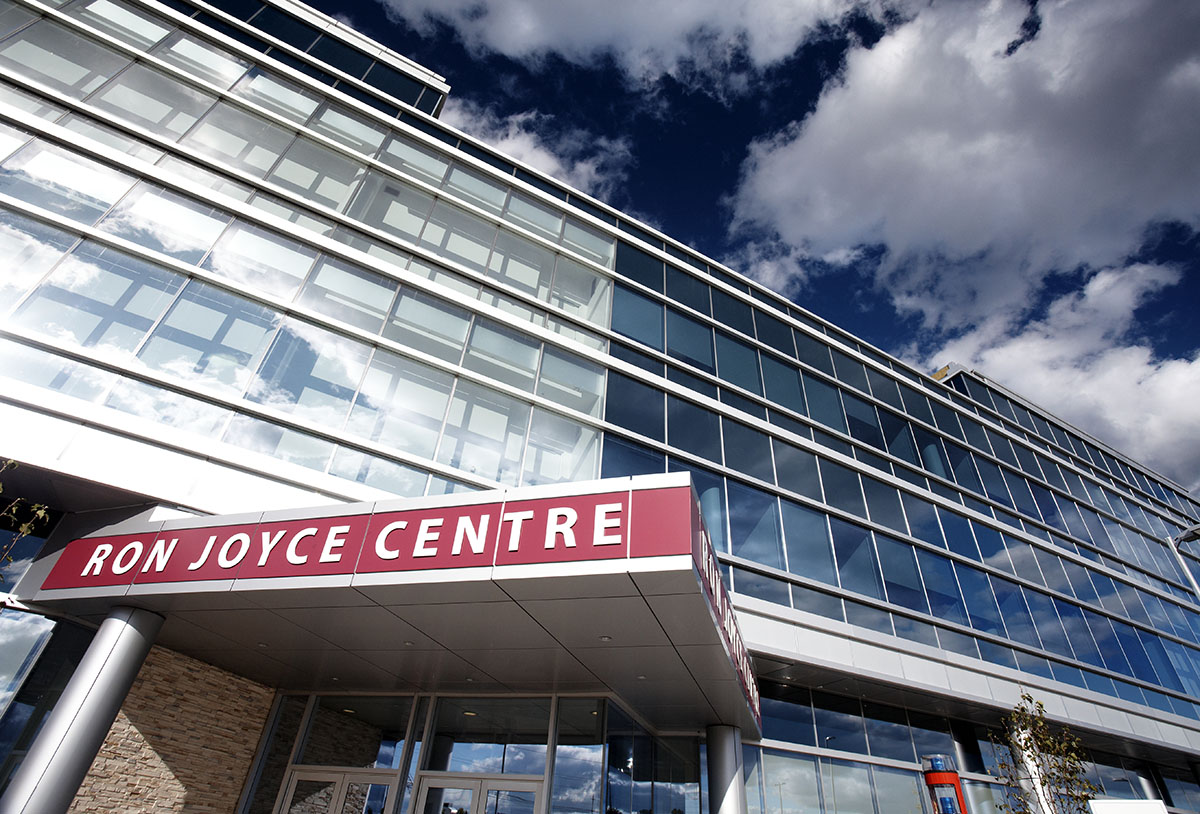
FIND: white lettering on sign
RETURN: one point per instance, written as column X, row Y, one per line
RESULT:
column 293, row 556
column 160, row 552
column 474, row 536
column 97, row 560
column 269, row 544
column 560, row 521
column 203, row 554
column 427, row 533
column 514, row 535
column 604, row 522
column 381, row 549
column 227, row 560
column 336, row 538
column 127, row 557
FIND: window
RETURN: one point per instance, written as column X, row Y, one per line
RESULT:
column 485, row 433
column 50, row 53
column 239, row 138
column 48, row 176
column 261, row 259
column 317, row 173
column 311, row 372
column 99, row 297
column 148, row 97
column 401, row 403
column 210, row 337
column 166, row 222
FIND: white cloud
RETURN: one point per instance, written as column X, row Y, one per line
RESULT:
column 981, row 172
column 700, row 38
column 988, row 176
column 1080, row 363
column 594, row 164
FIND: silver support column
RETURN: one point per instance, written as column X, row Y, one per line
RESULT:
column 51, row 773
column 726, row 784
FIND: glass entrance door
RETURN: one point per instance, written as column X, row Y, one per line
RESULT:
column 470, row 795
column 325, row 792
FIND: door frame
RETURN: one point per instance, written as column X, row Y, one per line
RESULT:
column 341, row 778
column 480, row 785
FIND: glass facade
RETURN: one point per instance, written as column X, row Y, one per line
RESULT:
column 222, row 220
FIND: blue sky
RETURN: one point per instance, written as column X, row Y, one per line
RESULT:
column 1013, row 185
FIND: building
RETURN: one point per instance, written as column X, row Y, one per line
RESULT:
column 248, row 272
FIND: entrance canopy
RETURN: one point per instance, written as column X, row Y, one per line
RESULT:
column 606, row 586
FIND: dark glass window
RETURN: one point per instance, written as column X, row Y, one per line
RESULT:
column 842, row 489
column 687, row 289
column 839, row 723
column 916, row 404
column 639, row 266
column 638, row 317
column 341, row 56
column 856, row 558
column 624, row 458
column 787, row 714
column 850, row 371
column 693, row 429
column 922, row 520
column 754, row 525
column 1106, row 640
column 900, row 576
column 883, row 503
column 760, row 586
column 710, row 489
column 634, row 406
column 981, row 603
column 897, row 436
column 887, row 732
column 285, row 27
column 947, row 420
column 796, row 469
column 689, row 340
column 868, row 616
column 991, row 547
column 783, row 384
column 395, row 83
column 1078, row 633
column 933, row 457
column 732, row 313
column 958, row 534
column 931, row 734
column 813, row 352
column 817, row 602
column 1017, row 619
column 823, row 403
column 748, row 450
column 884, row 388
column 774, row 333
column 862, row 421
column 962, row 468
column 808, row 550
column 737, row 363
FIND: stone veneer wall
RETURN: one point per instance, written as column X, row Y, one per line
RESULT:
column 182, row 742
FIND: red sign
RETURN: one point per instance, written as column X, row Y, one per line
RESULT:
column 570, row 528
column 647, row 519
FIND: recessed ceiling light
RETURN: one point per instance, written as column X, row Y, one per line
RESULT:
column 469, row 714
column 350, row 711
column 262, row 644
column 470, row 680
column 641, row 678
column 606, row 638
column 408, row 644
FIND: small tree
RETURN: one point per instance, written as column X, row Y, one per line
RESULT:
column 1043, row 765
column 20, row 517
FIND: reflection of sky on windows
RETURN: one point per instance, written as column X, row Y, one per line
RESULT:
column 497, row 758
